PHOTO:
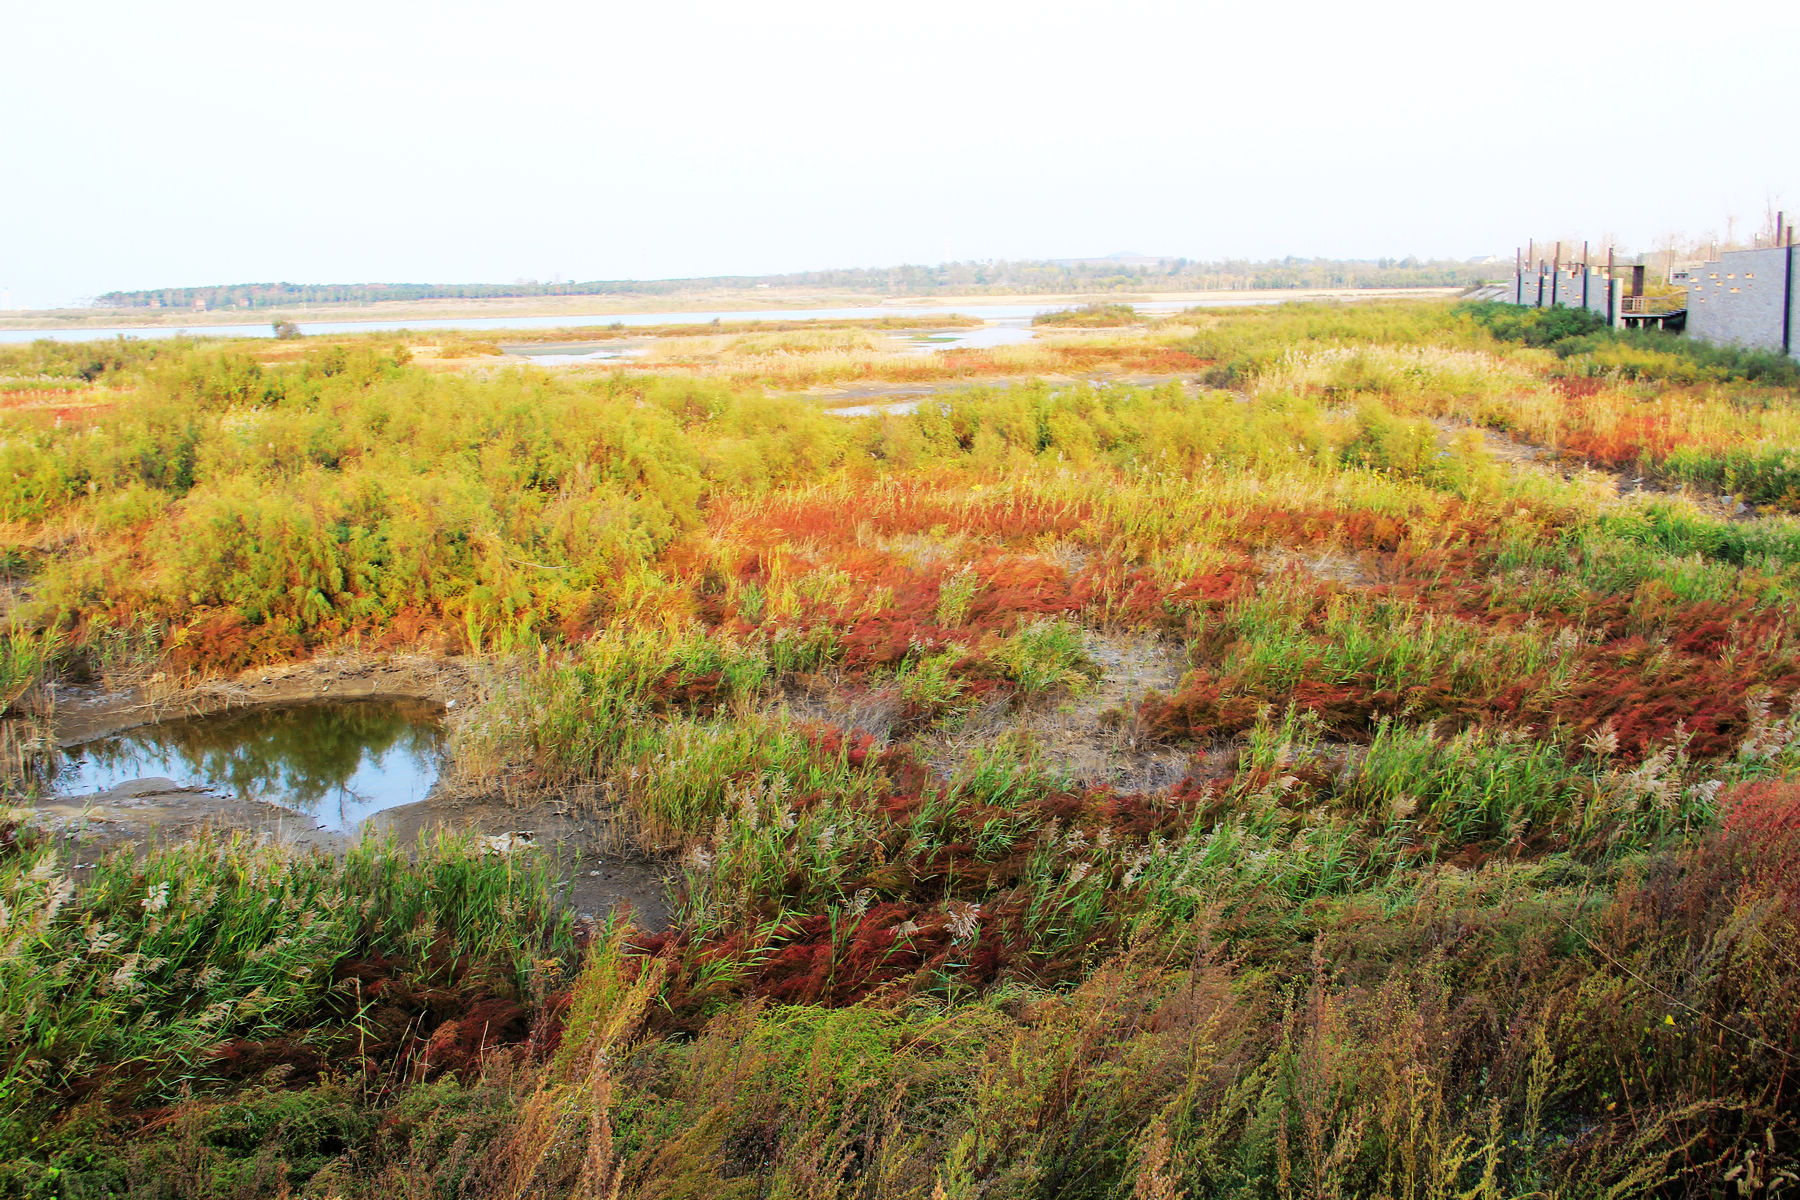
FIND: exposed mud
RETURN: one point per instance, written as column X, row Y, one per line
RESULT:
column 598, row 872
column 156, row 811
column 81, row 714
column 1092, row 737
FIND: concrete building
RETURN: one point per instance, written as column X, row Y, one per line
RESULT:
column 1748, row 298
column 1575, row 285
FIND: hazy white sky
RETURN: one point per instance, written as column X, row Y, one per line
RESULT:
column 194, row 142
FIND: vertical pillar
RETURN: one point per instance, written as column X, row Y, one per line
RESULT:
column 1613, row 316
column 1787, row 300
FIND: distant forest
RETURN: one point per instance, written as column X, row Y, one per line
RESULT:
column 968, row 278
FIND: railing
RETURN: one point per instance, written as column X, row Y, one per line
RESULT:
column 1653, row 306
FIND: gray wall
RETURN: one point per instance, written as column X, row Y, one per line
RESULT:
column 1526, row 287
column 1548, row 288
column 1746, row 299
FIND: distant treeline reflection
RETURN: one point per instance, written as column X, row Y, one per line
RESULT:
column 302, row 754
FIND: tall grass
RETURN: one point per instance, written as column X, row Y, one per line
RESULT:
column 1460, row 860
column 159, row 962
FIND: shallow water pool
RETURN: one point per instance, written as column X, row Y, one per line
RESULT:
column 335, row 762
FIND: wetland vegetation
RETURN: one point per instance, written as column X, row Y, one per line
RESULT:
column 1090, row 316
column 1327, row 750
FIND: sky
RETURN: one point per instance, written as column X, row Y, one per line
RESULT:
column 191, row 143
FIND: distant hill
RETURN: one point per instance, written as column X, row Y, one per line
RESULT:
column 1118, row 273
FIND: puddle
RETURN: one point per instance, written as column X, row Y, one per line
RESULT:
column 575, row 354
column 995, row 333
column 336, row 762
column 897, row 408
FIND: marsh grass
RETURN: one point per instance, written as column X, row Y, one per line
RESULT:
column 1089, row 316
column 1474, row 873
column 27, row 662
column 1047, row 656
column 179, row 974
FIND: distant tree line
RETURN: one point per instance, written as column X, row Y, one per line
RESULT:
column 960, row 278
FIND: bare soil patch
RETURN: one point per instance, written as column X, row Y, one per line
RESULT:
column 81, row 714
column 155, row 811
column 1092, row 737
column 1336, row 566
column 598, row 869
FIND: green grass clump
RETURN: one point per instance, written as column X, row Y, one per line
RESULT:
column 1532, row 326
column 1089, row 316
column 1678, row 531
column 1651, row 354
column 1047, row 656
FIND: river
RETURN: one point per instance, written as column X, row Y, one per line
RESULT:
column 996, row 313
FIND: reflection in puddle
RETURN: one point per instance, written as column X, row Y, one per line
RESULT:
column 336, row 762
column 575, row 360
column 994, row 333
column 576, row 354
column 893, row 408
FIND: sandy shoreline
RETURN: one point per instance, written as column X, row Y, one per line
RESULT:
column 587, row 307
